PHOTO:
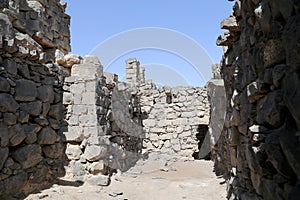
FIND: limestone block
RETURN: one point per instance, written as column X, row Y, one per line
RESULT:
column 176, row 144
column 88, row 120
column 71, row 59
column 73, row 152
column 91, row 67
column 166, row 136
column 88, row 98
column 74, row 134
column 28, row 156
column 98, row 180
column 25, row 90
column 94, row 153
column 181, row 121
column 96, row 167
column 230, row 24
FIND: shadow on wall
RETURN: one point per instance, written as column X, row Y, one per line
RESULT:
column 202, row 132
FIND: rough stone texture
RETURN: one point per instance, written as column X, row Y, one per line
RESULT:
column 111, row 123
column 32, row 153
column 258, row 151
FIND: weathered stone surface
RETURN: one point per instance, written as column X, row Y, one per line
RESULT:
column 71, row 59
column 94, row 153
column 73, row 152
column 273, row 53
column 31, row 131
column 4, row 138
column 28, row 156
column 74, row 134
column 47, row 136
column 57, row 111
column 11, row 66
column 32, row 108
column 99, row 180
column 3, row 156
column 292, row 94
column 4, row 85
column 16, row 135
column 12, row 184
column 291, row 150
column 7, row 103
column 230, row 24
column 25, row 90
column 269, row 109
column 54, row 151
column 291, row 48
column 10, row 119
column 45, row 93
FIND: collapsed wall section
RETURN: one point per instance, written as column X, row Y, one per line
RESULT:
column 31, row 109
column 258, row 152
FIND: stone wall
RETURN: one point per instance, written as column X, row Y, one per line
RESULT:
column 104, row 125
column 172, row 117
column 111, row 123
column 32, row 33
column 259, row 149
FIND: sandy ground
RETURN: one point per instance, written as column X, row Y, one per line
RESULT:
column 192, row 180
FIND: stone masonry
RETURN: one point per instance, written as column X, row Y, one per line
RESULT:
column 32, row 34
column 258, row 152
column 111, row 123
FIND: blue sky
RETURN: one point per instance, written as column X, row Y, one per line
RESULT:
column 94, row 22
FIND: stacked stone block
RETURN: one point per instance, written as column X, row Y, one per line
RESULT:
column 31, row 109
column 173, row 118
column 259, row 147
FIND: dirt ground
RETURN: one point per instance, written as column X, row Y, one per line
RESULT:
column 192, row 180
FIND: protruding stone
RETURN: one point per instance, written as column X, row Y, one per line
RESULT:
column 73, row 152
column 94, row 153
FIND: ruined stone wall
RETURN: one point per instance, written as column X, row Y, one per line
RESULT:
column 103, row 123
column 31, row 109
column 173, row 119
column 111, row 123
column 259, row 148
